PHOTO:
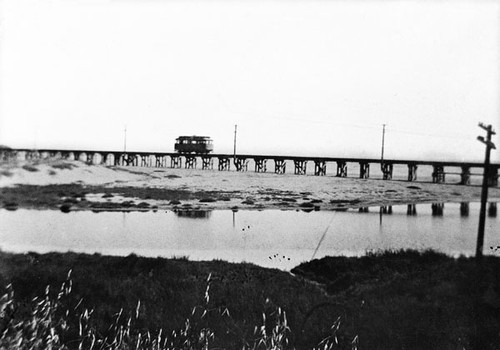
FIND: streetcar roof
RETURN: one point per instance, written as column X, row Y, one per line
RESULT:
column 193, row 138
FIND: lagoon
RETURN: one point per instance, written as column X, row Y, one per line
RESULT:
column 269, row 238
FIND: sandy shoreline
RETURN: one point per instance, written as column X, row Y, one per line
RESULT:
column 84, row 187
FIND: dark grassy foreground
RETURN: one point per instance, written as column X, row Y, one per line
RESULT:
column 403, row 300
column 168, row 291
column 413, row 300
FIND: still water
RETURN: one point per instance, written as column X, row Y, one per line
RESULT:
column 270, row 238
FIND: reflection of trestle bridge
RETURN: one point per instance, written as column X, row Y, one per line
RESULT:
column 241, row 162
column 437, row 209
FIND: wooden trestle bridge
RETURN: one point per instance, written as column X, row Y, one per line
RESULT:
column 241, row 162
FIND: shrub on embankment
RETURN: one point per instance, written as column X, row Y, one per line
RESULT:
column 416, row 300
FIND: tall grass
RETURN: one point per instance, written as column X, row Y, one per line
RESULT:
column 53, row 324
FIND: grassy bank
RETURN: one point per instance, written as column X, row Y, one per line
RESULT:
column 403, row 300
column 168, row 291
column 413, row 300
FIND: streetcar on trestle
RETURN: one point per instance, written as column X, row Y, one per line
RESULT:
column 194, row 144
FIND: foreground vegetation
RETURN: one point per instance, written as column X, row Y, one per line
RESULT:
column 169, row 291
column 415, row 300
column 48, row 327
column 392, row 300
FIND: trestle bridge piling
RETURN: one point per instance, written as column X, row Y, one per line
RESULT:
column 241, row 163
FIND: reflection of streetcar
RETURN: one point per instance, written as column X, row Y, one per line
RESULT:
column 194, row 144
column 194, row 214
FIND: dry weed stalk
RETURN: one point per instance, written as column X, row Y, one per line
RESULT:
column 47, row 328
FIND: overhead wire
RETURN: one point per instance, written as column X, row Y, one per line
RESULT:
column 441, row 135
column 373, row 126
column 369, row 126
column 322, row 237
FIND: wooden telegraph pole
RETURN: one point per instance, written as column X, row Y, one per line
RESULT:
column 383, row 143
column 382, row 153
column 234, row 154
column 484, row 192
column 125, row 140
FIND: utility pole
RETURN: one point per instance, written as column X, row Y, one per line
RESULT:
column 235, row 129
column 36, row 138
column 383, row 144
column 125, row 139
column 484, row 192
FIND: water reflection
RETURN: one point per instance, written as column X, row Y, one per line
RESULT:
column 193, row 214
column 411, row 209
column 386, row 209
column 437, row 209
column 464, row 209
column 263, row 238
column 492, row 210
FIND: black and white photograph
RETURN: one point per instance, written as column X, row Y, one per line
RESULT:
column 249, row 174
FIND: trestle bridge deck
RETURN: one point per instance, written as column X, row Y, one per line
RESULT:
column 241, row 163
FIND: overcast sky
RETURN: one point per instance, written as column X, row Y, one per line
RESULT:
column 298, row 77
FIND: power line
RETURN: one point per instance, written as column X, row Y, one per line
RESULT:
column 330, row 123
column 449, row 136
column 322, row 237
column 399, row 131
column 308, row 121
column 265, row 116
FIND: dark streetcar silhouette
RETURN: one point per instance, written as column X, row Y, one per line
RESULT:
column 194, row 144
